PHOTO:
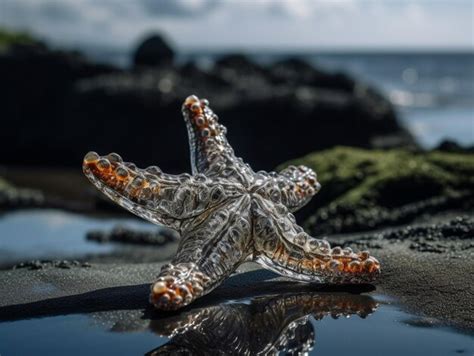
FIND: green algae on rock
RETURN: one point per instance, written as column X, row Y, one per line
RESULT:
column 9, row 38
column 365, row 189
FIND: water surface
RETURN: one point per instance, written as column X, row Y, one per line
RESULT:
column 322, row 324
column 54, row 234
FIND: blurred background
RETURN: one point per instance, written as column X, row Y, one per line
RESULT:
column 390, row 81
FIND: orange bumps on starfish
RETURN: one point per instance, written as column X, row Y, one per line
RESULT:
column 124, row 178
column 201, row 117
column 361, row 263
column 168, row 295
column 194, row 104
column 171, row 293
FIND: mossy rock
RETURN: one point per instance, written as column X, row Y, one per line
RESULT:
column 365, row 189
column 4, row 185
column 9, row 38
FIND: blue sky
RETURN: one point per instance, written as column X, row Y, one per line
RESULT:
column 279, row 24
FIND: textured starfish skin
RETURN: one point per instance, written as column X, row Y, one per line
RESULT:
column 226, row 214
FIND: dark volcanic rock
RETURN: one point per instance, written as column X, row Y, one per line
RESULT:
column 40, row 264
column 130, row 236
column 232, row 64
column 36, row 87
column 453, row 146
column 267, row 122
column 452, row 236
column 299, row 72
column 273, row 113
column 153, row 51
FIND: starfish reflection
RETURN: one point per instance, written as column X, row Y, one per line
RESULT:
column 262, row 326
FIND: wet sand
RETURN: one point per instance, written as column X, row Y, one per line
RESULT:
column 431, row 285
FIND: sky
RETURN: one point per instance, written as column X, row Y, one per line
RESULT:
column 249, row 24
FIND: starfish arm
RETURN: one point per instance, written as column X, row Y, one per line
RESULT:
column 297, row 185
column 210, row 250
column 151, row 194
column 211, row 153
column 283, row 247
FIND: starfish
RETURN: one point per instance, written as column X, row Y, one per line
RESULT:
column 226, row 214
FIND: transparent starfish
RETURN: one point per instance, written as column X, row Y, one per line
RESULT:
column 226, row 214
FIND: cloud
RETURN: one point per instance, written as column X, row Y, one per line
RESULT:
column 178, row 8
column 246, row 23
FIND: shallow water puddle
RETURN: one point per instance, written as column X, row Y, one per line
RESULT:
column 262, row 325
column 53, row 234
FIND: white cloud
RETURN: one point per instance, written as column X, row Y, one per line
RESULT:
column 249, row 23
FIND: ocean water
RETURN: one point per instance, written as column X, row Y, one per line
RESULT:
column 433, row 93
